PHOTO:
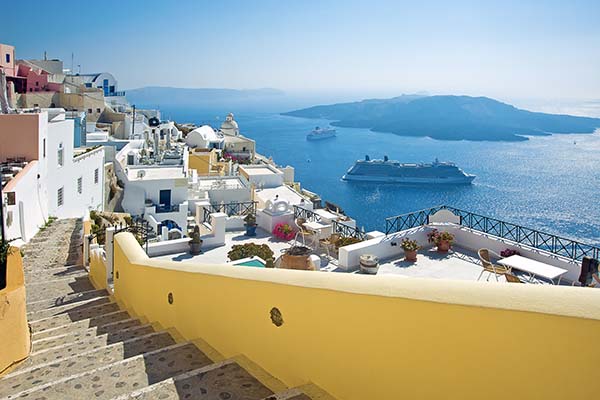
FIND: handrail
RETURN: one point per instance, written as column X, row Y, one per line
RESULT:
column 348, row 231
column 231, row 209
column 308, row 215
column 554, row 244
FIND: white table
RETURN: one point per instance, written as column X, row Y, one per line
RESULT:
column 317, row 227
column 533, row 267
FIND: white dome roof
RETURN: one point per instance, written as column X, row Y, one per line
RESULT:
column 229, row 126
column 200, row 137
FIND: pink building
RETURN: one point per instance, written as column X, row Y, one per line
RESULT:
column 7, row 60
column 33, row 79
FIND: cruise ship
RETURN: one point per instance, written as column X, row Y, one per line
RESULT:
column 321, row 133
column 390, row 171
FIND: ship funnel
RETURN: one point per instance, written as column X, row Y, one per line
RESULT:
column 385, row 158
column 367, row 158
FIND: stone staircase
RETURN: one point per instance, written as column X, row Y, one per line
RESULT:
column 85, row 347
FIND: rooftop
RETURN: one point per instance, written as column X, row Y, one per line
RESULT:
column 150, row 173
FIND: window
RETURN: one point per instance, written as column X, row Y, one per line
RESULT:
column 37, row 84
column 88, row 85
column 98, row 110
column 79, row 185
column 96, row 175
column 89, row 110
column 7, row 57
column 61, row 155
column 44, row 147
column 60, row 196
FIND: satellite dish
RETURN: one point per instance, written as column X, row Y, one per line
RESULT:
column 141, row 173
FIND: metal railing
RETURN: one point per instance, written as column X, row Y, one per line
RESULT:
column 308, row 215
column 231, row 209
column 519, row 234
column 348, row 231
column 166, row 209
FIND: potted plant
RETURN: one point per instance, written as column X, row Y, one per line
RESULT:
column 410, row 248
column 250, row 223
column 195, row 241
column 263, row 251
column 283, row 231
column 509, row 252
column 296, row 257
column 443, row 240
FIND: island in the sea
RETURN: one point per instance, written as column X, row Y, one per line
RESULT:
column 448, row 118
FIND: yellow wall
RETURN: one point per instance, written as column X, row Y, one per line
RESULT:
column 97, row 272
column 364, row 337
column 203, row 161
column 14, row 331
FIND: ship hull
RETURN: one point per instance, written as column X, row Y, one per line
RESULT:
column 459, row 180
column 320, row 136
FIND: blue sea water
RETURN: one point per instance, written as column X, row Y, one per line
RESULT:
column 551, row 183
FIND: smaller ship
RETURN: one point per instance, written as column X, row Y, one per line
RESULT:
column 321, row 133
column 389, row 171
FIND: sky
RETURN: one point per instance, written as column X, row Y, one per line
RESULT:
column 503, row 49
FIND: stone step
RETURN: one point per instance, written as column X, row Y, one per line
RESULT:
column 62, row 351
column 39, row 375
column 224, row 380
column 63, row 300
column 79, row 336
column 58, row 310
column 54, row 273
column 43, row 290
column 121, row 377
column 82, row 325
column 72, row 316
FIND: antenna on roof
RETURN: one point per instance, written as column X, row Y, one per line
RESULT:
column 45, row 56
column 72, row 66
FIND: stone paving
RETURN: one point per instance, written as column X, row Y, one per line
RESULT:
column 84, row 346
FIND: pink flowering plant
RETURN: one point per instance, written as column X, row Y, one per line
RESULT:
column 436, row 237
column 283, row 231
column 509, row 252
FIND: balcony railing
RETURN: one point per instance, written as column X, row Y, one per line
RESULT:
column 231, row 209
column 160, row 209
column 348, row 231
column 554, row 244
column 308, row 215
column 110, row 94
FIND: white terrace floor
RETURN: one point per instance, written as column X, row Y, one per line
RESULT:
column 458, row 264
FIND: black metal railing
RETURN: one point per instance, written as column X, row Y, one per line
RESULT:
column 347, row 231
column 231, row 209
column 141, row 229
column 308, row 215
column 167, row 209
column 519, row 234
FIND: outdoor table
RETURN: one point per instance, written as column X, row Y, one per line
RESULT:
column 317, row 228
column 533, row 267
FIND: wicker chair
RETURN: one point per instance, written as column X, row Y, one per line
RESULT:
column 302, row 231
column 510, row 278
column 329, row 242
column 489, row 266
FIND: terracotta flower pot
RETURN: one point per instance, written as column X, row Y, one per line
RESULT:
column 443, row 246
column 410, row 255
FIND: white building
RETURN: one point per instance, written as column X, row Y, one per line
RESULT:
column 205, row 137
column 48, row 178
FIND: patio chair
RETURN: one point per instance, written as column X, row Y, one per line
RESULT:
column 302, row 231
column 510, row 278
column 329, row 242
column 489, row 266
column 589, row 272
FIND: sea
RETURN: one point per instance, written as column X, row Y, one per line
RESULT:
column 550, row 183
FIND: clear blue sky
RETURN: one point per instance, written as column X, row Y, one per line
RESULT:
column 502, row 48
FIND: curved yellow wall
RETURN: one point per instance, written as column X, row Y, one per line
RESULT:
column 97, row 272
column 365, row 337
column 14, row 331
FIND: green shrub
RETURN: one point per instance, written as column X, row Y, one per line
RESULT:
column 263, row 251
column 345, row 241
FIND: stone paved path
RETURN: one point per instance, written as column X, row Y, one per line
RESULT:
column 85, row 347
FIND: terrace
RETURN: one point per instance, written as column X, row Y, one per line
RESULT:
column 471, row 232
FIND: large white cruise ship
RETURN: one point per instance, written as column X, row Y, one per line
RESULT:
column 390, row 171
column 321, row 133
